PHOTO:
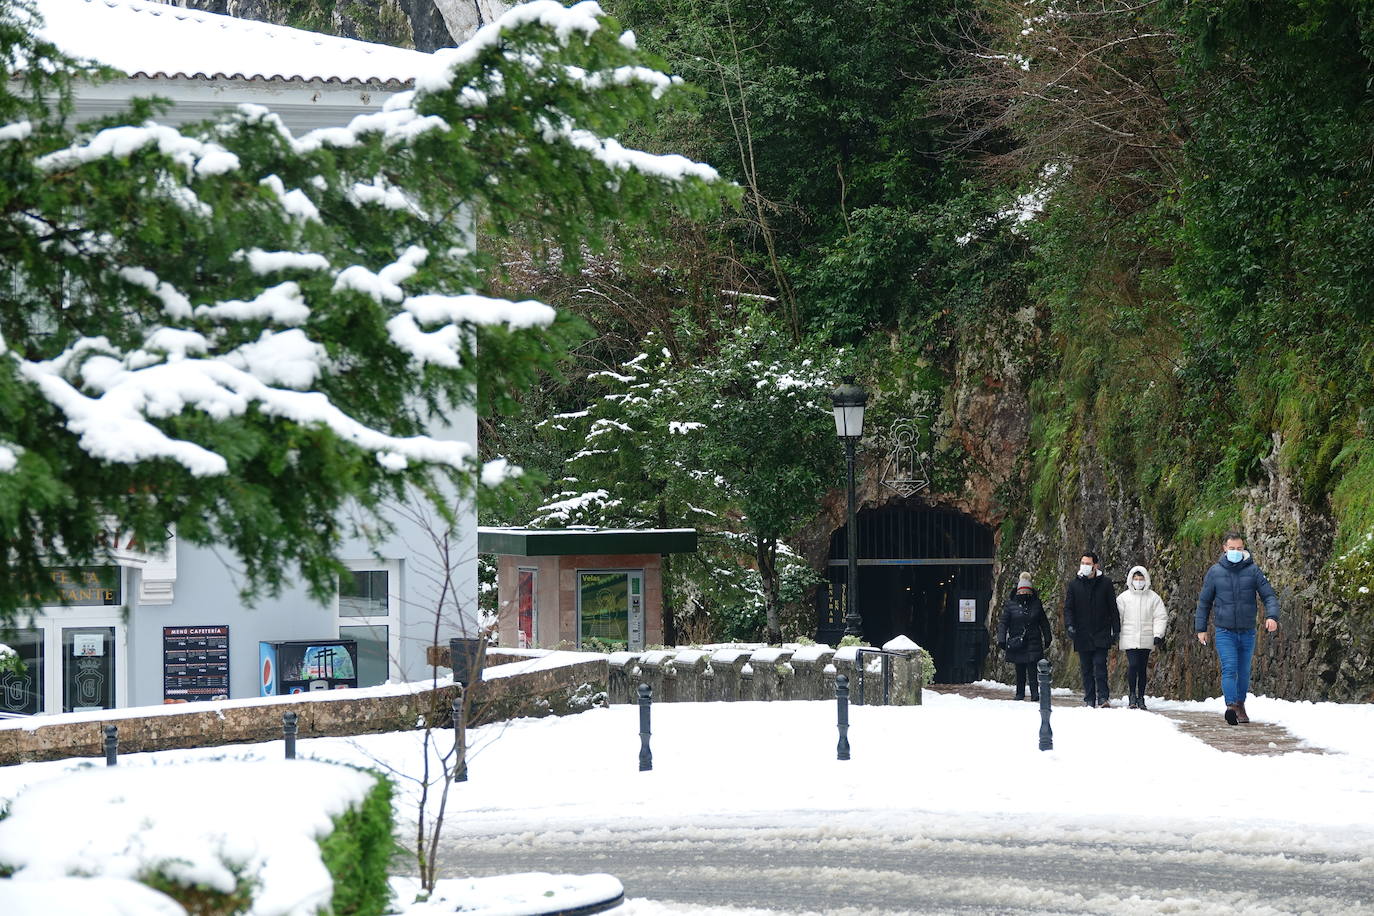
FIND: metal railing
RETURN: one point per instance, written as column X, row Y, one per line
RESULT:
column 861, row 670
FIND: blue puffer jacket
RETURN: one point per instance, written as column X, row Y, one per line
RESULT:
column 1228, row 593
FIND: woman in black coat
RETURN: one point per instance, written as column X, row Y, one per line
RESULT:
column 1023, row 634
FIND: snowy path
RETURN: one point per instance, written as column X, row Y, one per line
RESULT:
column 946, row 865
column 1265, row 738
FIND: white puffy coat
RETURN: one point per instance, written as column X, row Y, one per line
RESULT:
column 1143, row 615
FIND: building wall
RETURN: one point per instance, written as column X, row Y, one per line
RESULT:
column 556, row 594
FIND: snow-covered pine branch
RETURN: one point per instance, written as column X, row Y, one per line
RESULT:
column 294, row 317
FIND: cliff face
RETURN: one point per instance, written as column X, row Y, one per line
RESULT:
column 1325, row 647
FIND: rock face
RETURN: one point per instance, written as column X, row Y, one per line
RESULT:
column 1325, row 647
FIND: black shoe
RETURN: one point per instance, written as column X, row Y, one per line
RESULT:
column 1133, row 704
column 1035, row 698
column 1140, row 701
column 1105, row 704
column 1019, row 696
column 1231, row 714
column 1090, row 703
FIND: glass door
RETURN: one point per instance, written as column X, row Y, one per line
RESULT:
column 88, row 668
column 610, row 608
column 368, row 600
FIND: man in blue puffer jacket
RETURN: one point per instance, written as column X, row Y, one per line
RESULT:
column 1229, row 592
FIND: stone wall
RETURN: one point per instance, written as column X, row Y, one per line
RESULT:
column 795, row 673
column 556, row 690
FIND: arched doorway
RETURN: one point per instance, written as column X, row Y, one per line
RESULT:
column 925, row 573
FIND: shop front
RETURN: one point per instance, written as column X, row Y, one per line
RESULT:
column 592, row 588
column 74, row 657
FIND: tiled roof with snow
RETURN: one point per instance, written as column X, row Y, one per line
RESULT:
column 160, row 41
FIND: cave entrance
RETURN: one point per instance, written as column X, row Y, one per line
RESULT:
column 925, row 573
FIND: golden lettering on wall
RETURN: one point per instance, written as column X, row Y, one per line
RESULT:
column 80, row 586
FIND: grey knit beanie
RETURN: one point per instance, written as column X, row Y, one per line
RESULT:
column 1024, row 581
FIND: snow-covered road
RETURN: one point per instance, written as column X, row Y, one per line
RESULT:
column 941, row 864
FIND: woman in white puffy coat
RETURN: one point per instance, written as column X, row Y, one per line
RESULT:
column 1143, row 618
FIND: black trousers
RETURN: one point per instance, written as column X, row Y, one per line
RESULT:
column 1137, row 664
column 1093, row 665
column 1026, row 671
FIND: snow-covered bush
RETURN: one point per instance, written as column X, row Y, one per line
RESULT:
column 282, row 837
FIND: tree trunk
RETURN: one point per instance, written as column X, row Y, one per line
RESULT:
column 766, row 555
column 666, row 588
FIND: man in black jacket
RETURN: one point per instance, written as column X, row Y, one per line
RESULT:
column 1092, row 622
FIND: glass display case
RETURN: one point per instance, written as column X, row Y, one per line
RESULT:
column 300, row 665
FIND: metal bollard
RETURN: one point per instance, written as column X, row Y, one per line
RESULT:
column 646, row 699
column 111, row 745
column 842, row 704
column 1042, row 670
column 460, row 739
column 288, row 732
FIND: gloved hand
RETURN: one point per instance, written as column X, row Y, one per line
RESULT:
column 1159, row 641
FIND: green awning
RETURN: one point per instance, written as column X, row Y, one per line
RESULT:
column 561, row 542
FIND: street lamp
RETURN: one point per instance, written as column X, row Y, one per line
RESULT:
column 849, row 400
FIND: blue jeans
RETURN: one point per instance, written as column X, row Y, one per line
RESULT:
column 1235, row 648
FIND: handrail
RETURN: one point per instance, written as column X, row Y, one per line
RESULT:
column 885, row 654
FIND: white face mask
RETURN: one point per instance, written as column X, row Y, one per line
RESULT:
column 1085, row 570
column 1138, row 584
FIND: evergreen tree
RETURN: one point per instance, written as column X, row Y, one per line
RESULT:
column 739, row 442
column 238, row 332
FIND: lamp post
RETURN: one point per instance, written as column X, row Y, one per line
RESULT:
column 849, row 400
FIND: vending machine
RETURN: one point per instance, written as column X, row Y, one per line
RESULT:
column 301, row 665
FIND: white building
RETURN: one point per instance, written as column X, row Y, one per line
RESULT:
column 168, row 627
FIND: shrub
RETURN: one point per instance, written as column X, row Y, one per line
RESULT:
column 358, row 852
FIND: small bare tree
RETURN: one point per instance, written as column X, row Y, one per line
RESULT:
column 1092, row 89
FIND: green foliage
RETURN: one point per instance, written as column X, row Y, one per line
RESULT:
column 358, row 852
column 927, row 668
column 822, row 112
column 200, row 900
column 1221, row 319
column 253, row 459
column 738, row 440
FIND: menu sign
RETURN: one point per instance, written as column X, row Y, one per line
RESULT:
column 195, row 663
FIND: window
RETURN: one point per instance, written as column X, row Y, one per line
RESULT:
column 527, row 626
column 368, row 614
column 22, row 694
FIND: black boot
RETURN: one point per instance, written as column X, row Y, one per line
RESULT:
column 1140, row 701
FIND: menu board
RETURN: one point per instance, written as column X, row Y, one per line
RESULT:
column 195, row 664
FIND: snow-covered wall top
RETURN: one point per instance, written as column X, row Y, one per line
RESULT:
column 155, row 40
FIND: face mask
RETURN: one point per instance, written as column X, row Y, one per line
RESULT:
column 1138, row 584
column 1085, row 570
column 1235, row 556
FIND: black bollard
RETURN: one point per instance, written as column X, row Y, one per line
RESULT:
column 1042, row 671
column 111, row 745
column 288, row 732
column 842, row 704
column 460, row 739
column 646, row 699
